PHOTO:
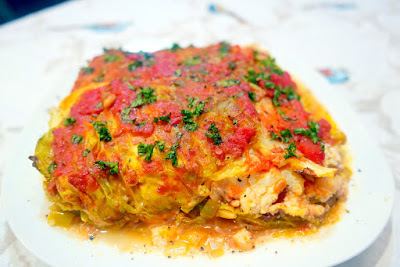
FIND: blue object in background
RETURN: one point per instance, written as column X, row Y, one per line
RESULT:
column 335, row 75
column 13, row 9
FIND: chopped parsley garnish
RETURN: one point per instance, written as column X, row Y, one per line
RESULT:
column 139, row 124
column 254, row 77
column 87, row 70
column 125, row 115
column 178, row 83
column 269, row 85
column 146, row 150
column 291, row 149
column 188, row 120
column 238, row 95
column 285, row 118
column 102, row 130
column 312, row 132
column 99, row 105
column 291, row 94
column 136, row 64
column 275, row 136
column 77, row 139
column 271, row 65
column 199, row 109
column 111, row 57
column 277, row 94
column 189, row 116
column 192, row 101
column 228, row 82
column 160, row 144
column 192, row 61
column 231, row 65
column 69, row 121
column 112, row 166
column 288, row 91
column 163, row 118
column 146, row 96
column 252, row 96
column 99, row 78
column 286, row 135
column 223, row 49
column 86, row 152
column 175, row 47
column 235, row 122
column 131, row 87
column 178, row 72
column 172, row 155
column 52, row 167
column 213, row 133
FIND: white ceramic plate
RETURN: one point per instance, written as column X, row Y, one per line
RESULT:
column 370, row 201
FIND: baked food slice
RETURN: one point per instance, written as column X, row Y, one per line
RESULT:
column 188, row 137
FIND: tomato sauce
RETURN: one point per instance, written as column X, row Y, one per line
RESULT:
column 146, row 99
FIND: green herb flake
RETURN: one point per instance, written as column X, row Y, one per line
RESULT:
column 270, row 64
column 285, row 118
column 69, row 121
column 103, row 165
column 252, row 96
column 52, row 167
column 188, row 120
column 102, row 131
column 199, row 109
column 228, row 82
column 235, row 122
column 231, row 65
column 160, row 144
column 312, row 132
column 146, row 150
column 275, row 101
column 286, row 135
column 213, row 133
column 192, row 61
column 175, row 47
column 189, row 116
column 269, row 85
column 125, row 115
column 131, row 87
column 178, row 83
column 100, row 78
column 135, row 65
column 146, row 96
column 291, row 149
column 87, row 70
column 254, row 77
column 77, row 139
column 192, row 101
column 172, row 155
column 275, row 136
column 163, row 118
column 86, row 152
column 111, row 57
column 290, row 93
column 178, row 72
column 99, row 105
column 224, row 49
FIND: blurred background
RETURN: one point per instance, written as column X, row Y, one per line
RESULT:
column 13, row 9
column 353, row 44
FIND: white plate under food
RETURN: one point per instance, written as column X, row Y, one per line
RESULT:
column 370, row 200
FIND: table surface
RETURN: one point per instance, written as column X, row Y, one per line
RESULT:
column 354, row 44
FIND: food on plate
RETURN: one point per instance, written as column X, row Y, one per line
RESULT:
column 216, row 145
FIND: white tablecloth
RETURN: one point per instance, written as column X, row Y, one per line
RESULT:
column 355, row 44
